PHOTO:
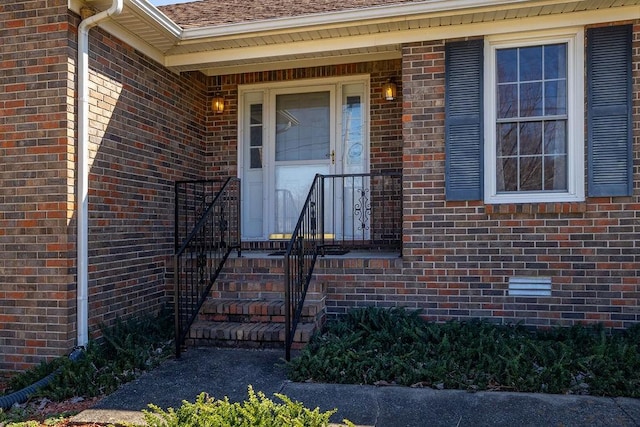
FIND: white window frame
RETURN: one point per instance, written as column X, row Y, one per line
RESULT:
column 574, row 38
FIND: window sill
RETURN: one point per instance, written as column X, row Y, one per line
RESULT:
column 537, row 208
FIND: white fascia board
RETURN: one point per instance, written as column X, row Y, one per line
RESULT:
column 391, row 13
column 145, row 11
column 406, row 36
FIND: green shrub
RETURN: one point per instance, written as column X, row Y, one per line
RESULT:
column 257, row 411
column 126, row 348
column 374, row 345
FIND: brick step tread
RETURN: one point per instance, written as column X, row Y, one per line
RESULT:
column 253, row 307
column 248, row 332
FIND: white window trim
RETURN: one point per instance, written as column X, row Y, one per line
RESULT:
column 574, row 37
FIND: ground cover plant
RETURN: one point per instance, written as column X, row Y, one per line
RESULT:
column 256, row 411
column 125, row 349
column 396, row 346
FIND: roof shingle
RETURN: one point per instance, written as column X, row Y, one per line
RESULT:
column 205, row 13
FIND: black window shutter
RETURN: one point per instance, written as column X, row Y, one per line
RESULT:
column 609, row 111
column 463, row 120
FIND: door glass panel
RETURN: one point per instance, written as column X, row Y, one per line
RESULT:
column 255, row 137
column 292, row 187
column 352, row 136
column 302, row 150
column 302, row 126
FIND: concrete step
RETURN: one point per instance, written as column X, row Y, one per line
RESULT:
column 252, row 335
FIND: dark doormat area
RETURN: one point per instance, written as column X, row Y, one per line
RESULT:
column 326, row 252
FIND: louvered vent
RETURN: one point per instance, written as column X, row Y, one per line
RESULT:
column 530, row 286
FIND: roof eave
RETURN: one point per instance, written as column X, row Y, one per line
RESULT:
column 370, row 15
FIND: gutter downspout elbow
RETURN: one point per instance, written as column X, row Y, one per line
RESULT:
column 82, row 189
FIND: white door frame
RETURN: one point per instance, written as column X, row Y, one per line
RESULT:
column 266, row 93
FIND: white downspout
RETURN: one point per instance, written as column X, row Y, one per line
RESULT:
column 82, row 201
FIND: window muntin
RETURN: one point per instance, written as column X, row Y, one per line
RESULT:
column 533, row 132
column 531, row 114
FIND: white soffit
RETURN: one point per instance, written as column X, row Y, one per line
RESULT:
column 332, row 38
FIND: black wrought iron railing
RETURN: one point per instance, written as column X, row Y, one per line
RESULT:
column 192, row 198
column 362, row 211
column 299, row 260
column 352, row 211
column 205, row 248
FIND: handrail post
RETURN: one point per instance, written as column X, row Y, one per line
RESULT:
column 320, row 197
column 176, row 303
column 287, row 309
column 401, row 224
column 239, row 220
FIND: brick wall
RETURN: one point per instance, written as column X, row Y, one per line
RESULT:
column 463, row 253
column 148, row 129
column 36, row 170
column 386, row 128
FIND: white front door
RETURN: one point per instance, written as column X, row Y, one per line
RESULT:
column 288, row 134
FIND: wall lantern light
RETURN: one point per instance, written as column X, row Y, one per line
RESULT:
column 217, row 104
column 389, row 90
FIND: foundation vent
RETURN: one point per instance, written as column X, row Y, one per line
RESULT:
column 530, row 286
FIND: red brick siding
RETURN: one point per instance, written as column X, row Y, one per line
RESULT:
column 36, row 170
column 463, row 253
column 386, row 129
column 361, row 282
column 148, row 129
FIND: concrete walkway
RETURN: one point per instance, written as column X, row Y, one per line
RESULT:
column 228, row 372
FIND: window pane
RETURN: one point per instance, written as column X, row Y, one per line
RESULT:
column 507, row 101
column 531, row 99
column 507, row 141
column 507, row 174
column 530, row 63
column 507, row 65
column 530, row 173
column 555, row 172
column 530, row 138
column 555, row 97
column 302, row 126
column 255, row 139
column 555, row 137
column 256, row 158
column 555, row 61
column 256, row 114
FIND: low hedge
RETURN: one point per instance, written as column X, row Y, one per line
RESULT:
column 397, row 346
